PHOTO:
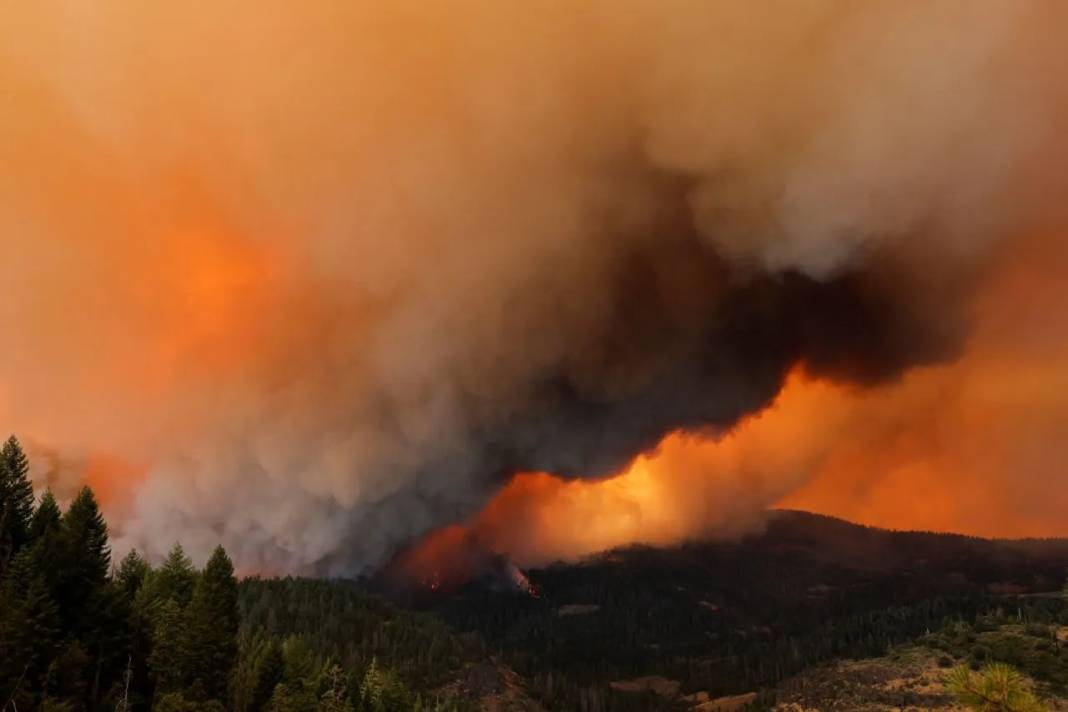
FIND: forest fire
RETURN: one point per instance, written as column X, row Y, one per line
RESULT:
column 537, row 317
column 446, row 560
column 426, row 276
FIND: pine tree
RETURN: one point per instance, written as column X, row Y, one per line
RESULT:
column 46, row 517
column 16, row 501
column 268, row 676
column 214, row 624
column 86, row 538
column 47, row 547
column 286, row 700
column 29, row 627
column 68, row 675
column 133, row 570
column 169, row 662
column 302, row 664
column 177, row 702
column 371, row 689
column 86, row 558
column 175, row 579
column 336, row 698
column 996, row 687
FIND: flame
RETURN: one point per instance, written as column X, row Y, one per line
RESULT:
column 691, row 484
column 443, row 560
column 941, row 449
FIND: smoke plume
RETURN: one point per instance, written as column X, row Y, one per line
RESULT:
column 315, row 278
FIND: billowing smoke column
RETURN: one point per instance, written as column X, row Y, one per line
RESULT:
column 327, row 275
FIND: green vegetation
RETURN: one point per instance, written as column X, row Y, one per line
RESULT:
column 295, row 632
column 997, row 687
column 79, row 632
column 78, row 635
column 727, row 618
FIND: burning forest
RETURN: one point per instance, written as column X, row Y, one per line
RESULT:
column 346, row 283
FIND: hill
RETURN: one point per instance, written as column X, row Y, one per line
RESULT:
column 730, row 618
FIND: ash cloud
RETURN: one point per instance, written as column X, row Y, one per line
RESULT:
column 328, row 276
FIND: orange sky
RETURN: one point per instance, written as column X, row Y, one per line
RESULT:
column 280, row 274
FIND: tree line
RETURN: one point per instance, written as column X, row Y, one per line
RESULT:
column 79, row 634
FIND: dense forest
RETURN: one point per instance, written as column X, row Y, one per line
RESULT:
column 77, row 633
column 732, row 617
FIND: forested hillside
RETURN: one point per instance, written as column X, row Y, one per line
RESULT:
column 734, row 617
column 79, row 633
column 766, row 619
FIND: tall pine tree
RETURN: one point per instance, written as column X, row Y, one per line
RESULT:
column 47, row 547
column 214, row 620
column 46, row 518
column 269, row 674
column 16, row 501
column 133, row 570
column 86, row 555
column 29, row 629
column 175, row 579
column 170, row 661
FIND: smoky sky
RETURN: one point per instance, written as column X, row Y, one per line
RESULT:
column 326, row 277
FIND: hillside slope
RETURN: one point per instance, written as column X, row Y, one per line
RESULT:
column 727, row 618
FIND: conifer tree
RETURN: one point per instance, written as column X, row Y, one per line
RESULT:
column 29, row 627
column 214, row 624
column 46, row 517
column 175, row 579
column 85, row 560
column 133, row 570
column 68, row 675
column 371, row 689
column 86, row 538
column 168, row 663
column 336, row 698
column 16, row 501
column 269, row 674
column 285, row 699
column 47, row 547
column 177, row 702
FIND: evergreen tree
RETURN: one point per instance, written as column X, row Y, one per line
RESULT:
column 996, row 688
column 302, row 664
column 29, row 628
column 86, row 553
column 177, row 702
column 371, row 690
column 285, row 699
column 16, row 501
column 214, row 624
column 175, row 579
column 336, row 698
column 68, row 676
column 82, row 569
column 47, row 547
column 169, row 662
column 268, row 676
column 133, row 570
column 46, row 517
